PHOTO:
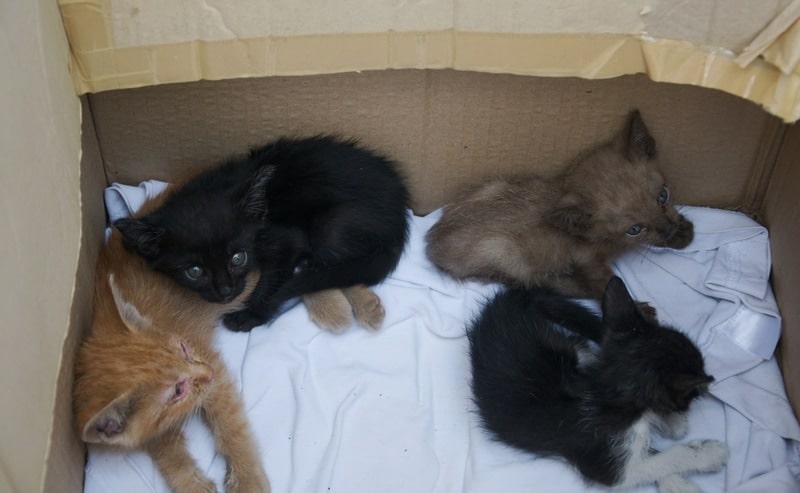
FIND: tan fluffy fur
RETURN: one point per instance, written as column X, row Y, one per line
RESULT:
column 562, row 231
column 334, row 309
column 147, row 336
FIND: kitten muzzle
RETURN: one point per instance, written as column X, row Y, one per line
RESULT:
column 680, row 233
column 676, row 233
column 226, row 293
column 204, row 376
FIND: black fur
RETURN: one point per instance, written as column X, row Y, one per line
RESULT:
column 311, row 214
column 533, row 394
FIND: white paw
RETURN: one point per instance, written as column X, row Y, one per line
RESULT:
column 709, row 455
column 677, row 484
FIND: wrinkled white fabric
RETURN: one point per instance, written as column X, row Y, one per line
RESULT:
column 123, row 200
column 391, row 411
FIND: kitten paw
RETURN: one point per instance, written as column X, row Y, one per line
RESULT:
column 247, row 483
column 677, row 484
column 329, row 309
column 195, row 484
column 647, row 310
column 367, row 307
column 241, row 321
column 709, row 455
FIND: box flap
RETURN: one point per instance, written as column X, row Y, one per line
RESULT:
column 41, row 224
column 739, row 46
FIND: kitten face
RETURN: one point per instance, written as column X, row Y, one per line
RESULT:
column 619, row 195
column 209, row 256
column 136, row 381
column 631, row 203
column 140, row 387
column 663, row 370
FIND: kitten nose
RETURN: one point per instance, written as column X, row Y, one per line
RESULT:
column 225, row 290
column 669, row 230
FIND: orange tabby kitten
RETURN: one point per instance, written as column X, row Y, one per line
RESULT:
column 148, row 364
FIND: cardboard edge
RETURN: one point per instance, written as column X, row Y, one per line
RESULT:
column 590, row 56
column 65, row 459
column 781, row 212
column 764, row 164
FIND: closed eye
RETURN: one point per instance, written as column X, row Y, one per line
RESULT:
column 186, row 352
column 180, row 390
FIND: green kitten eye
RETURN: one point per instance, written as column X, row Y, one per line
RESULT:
column 634, row 230
column 663, row 196
column 194, row 272
column 239, row 258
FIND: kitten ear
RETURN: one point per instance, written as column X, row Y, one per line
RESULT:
column 635, row 142
column 619, row 309
column 108, row 425
column 130, row 316
column 570, row 217
column 254, row 202
column 140, row 236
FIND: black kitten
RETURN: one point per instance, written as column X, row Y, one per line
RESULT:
column 550, row 377
column 310, row 214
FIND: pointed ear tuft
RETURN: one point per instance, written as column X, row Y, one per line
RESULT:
column 108, row 425
column 140, row 236
column 619, row 309
column 570, row 217
column 636, row 142
column 130, row 316
column 254, row 202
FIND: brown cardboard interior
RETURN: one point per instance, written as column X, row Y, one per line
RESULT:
column 65, row 459
column 447, row 129
column 781, row 211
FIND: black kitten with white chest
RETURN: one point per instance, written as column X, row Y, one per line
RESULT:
column 552, row 378
column 310, row 214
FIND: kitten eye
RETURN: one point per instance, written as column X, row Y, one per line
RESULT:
column 194, row 272
column 634, row 230
column 185, row 350
column 179, row 391
column 239, row 258
column 663, row 196
column 180, row 388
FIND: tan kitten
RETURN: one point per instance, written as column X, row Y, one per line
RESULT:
column 563, row 231
column 148, row 365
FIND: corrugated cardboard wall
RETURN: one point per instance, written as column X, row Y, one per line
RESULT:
column 40, row 224
column 447, row 128
column 782, row 216
column 66, row 459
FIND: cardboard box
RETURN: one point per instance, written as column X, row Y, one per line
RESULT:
column 447, row 127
